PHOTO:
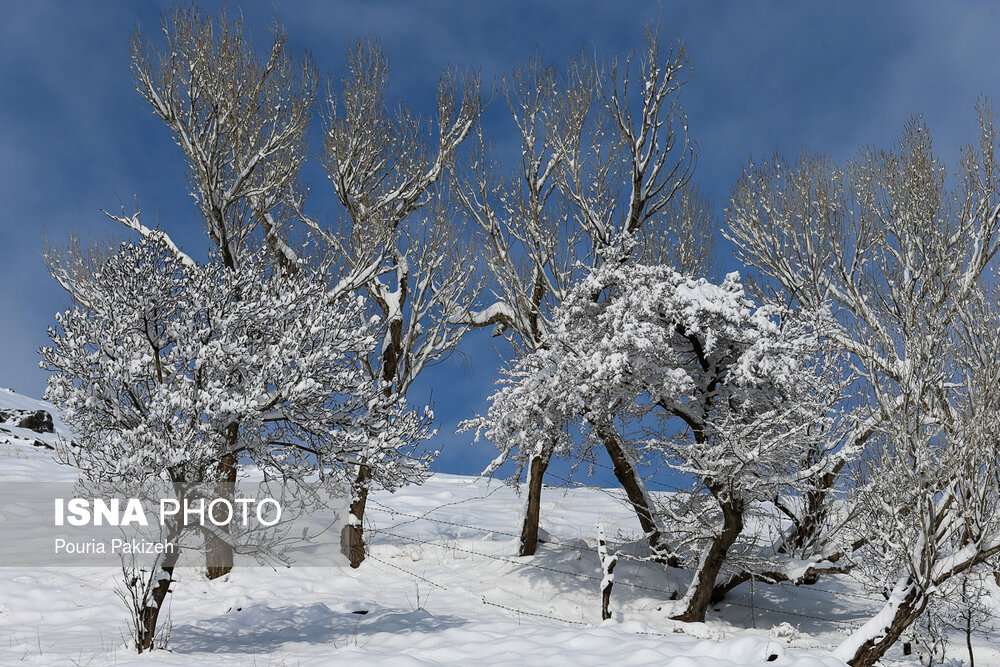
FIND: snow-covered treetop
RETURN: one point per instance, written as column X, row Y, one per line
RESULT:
column 170, row 366
column 594, row 172
column 631, row 339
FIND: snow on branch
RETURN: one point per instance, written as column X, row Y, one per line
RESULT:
column 133, row 223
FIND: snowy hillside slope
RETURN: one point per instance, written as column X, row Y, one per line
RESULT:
column 441, row 587
column 26, row 452
column 28, row 421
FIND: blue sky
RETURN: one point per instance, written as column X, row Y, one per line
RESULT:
column 789, row 77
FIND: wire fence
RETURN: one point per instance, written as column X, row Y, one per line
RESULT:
column 666, row 594
column 753, row 605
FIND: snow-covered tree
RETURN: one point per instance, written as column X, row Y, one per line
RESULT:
column 398, row 244
column 903, row 262
column 602, row 158
column 240, row 123
column 962, row 606
column 166, row 368
column 728, row 393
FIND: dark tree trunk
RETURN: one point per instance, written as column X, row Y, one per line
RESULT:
column 817, row 507
column 968, row 639
column 906, row 603
column 158, row 586
column 352, row 537
column 720, row 591
column 708, row 569
column 805, row 532
column 533, row 506
column 628, row 477
column 150, row 614
column 871, row 650
column 218, row 549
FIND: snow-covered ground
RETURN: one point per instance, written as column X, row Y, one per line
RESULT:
column 442, row 587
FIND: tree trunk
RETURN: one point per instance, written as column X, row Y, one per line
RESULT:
column 636, row 492
column 158, row 587
column 532, row 510
column 699, row 596
column 218, row 549
column 720, row 591
column 151, row 610
column 870, row 642
column 814, row 517
column 352, row 537
column 968, row 639
column 806, row 577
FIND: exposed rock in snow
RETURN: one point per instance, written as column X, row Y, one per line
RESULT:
column 28, row 421
column 39, row 421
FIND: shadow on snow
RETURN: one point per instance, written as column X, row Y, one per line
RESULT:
column 262, row 628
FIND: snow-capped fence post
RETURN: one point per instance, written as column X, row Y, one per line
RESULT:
column 608, row 563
